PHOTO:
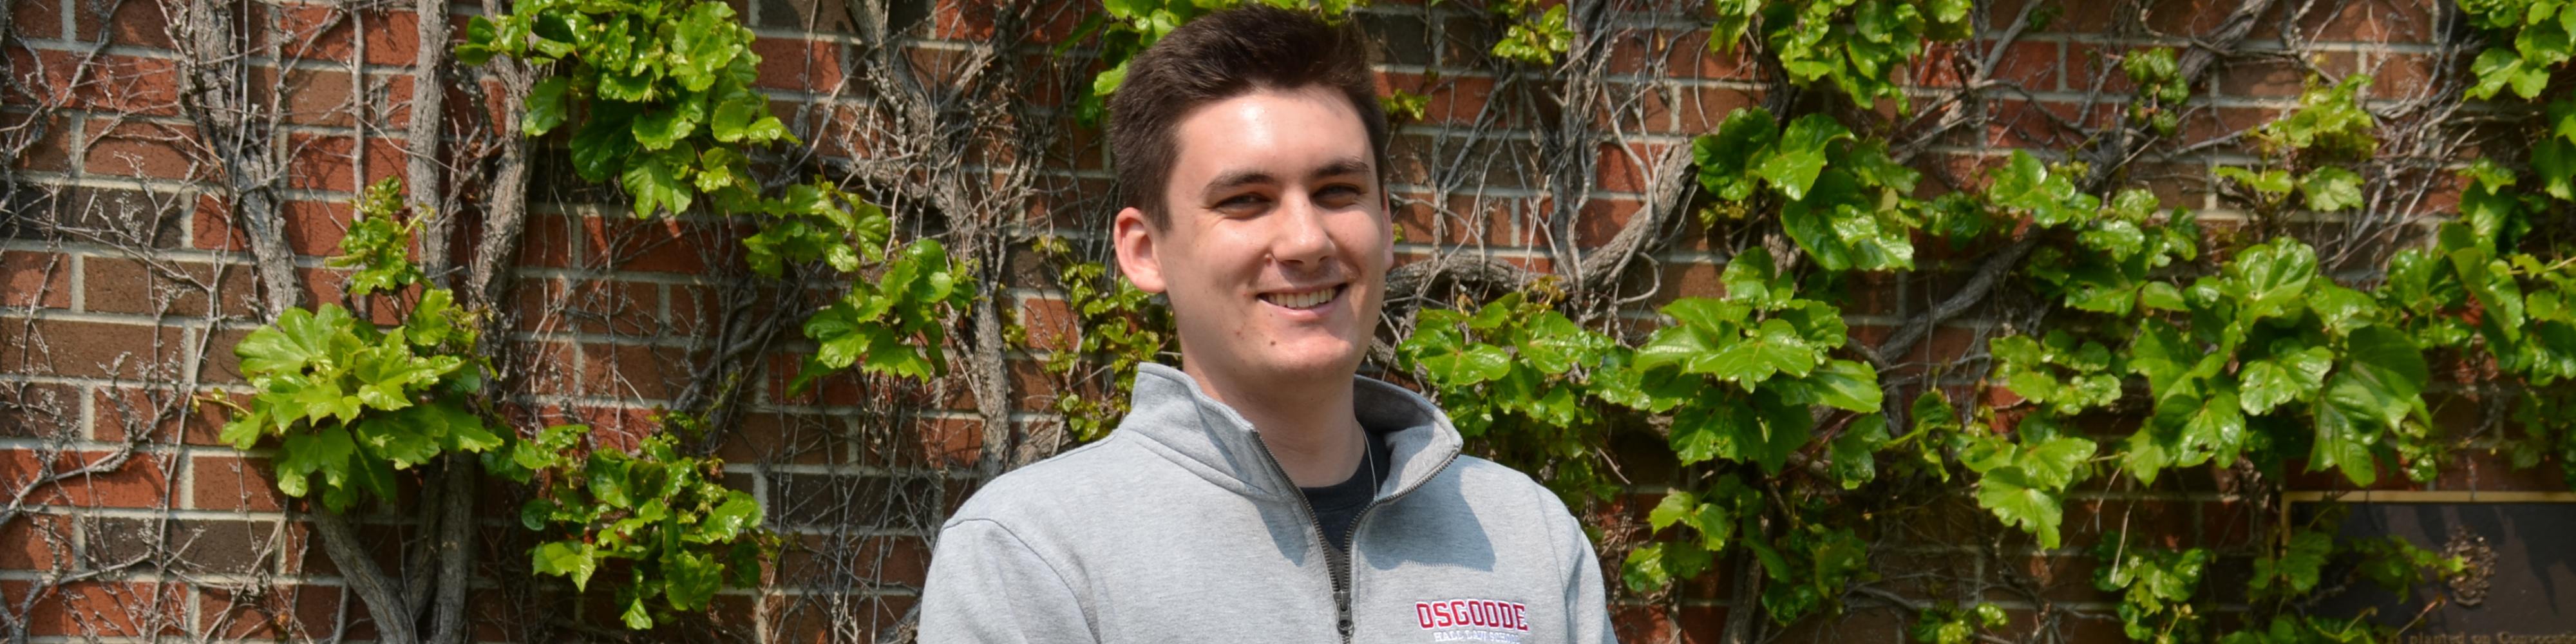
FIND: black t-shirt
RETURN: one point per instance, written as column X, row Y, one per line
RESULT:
column 1339, row 504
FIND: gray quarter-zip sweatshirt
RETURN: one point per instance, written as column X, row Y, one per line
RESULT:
column 1181, row 527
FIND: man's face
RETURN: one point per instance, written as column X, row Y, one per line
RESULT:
column 1276, row 255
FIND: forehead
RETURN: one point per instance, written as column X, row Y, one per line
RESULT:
column 1267, row 129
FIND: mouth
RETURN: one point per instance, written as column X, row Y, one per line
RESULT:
column 1305, row 300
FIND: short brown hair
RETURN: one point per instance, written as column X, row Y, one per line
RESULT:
column 1220, row 56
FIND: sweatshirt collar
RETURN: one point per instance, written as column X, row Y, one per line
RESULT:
column 1173, row 416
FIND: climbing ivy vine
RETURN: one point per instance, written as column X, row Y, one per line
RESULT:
column 2234, row 347
column 350, row 405
column 2211, row 346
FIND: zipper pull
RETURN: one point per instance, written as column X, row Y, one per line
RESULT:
column 1342, row 606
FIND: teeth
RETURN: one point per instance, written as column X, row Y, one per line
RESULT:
column 1302, row 300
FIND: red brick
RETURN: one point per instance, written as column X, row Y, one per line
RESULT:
column 325, row 162
column 1692, row 280
column 1051, row 325
column 2269, row 78
column 615, row 427
column 37, row 18
column 767, row 438
column 2151, row 523
column 624, row 308
column 2373, row 23
column 1642, row 624
column 167, row 416
column 138, row 149
column 2195, row 17
column 36, row 542
column 1601, row 219
column 234, row 483
column 392, row 37
column 315, row 227
column 634, row 372
column 2396, row 75
column 2027, row 124
column 1703, row 109
column 962, row 20
column 87, row 349
column 1701, row 624
column 119, row 83
column 798, row 64
column 91, row 609
column 393, row 112
column 36, row 279
column 210, row 225
column 1458, row 99
column 658, row 245
column 53, row 151
column 277, row 613
column 2032, row 65
column 138, row 481
column 119, row 285
column 144, row 24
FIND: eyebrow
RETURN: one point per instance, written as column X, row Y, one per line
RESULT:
column 1240, row 178
column 1343, row 166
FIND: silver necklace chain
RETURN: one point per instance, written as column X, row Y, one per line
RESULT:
column 1368, row 454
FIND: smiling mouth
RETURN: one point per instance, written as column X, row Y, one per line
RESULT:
column 1303, row 301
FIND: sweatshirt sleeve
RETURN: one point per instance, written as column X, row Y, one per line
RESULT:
column 986, row 586
column 1587, row 605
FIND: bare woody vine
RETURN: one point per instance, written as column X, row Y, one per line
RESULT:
column 2321, row 328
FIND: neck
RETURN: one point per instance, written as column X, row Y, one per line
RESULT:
column 1312, row 430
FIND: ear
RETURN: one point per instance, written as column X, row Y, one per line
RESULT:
column 1386, row 215
column 1134, row 237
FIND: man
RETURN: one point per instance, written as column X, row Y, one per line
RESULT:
column 1263, row 492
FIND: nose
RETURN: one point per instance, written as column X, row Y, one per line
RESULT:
column 1301, row 237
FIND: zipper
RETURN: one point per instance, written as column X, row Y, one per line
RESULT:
column 1337, row 559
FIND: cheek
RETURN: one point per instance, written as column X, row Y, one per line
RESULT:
column 1367, row 239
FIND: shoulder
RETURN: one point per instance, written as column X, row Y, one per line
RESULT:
column 1496, row 496
column 1038, row 489
column 1498, row 486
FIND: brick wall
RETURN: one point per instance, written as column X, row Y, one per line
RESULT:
column 127, row 281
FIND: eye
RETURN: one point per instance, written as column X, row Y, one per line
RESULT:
column 1243, row 204
column 1339, row 196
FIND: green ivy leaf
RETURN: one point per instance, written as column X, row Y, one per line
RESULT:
column 636, row 617
column 299, row 338
column 601, row 148
column 1470, row 365
column 2009, row 493
column 1801, row 154
column 2331, row 189
column 325, row 452
column 548, row 105
column 1854, row 452
column 1676, row 507
column 1719, row 429
column 2273, row 277
column 2024, row 183
column 406, row 437
column 1773, row 348
column 1742, row 142
column 571, row 559
column 2384, row 373
column 656, row 183
column 2291, row 373
column 1845, row 384
column 1557, row 345
column 704, row 45
column 2270, row 183
column 690, row 580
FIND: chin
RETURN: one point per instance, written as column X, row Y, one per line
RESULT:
column 1320, row 358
